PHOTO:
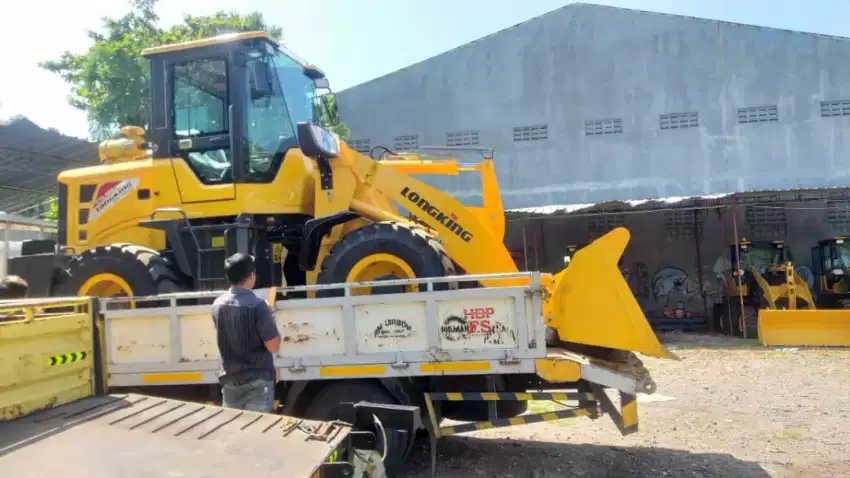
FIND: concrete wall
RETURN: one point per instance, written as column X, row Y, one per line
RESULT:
column 591, row 63
column 666, row 263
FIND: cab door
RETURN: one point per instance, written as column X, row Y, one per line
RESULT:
column 200, row 96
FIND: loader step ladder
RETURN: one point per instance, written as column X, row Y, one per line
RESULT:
column 193, row 257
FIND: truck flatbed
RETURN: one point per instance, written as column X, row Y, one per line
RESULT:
column 131, row 435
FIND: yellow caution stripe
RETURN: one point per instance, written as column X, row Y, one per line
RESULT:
column 63, row 359
column 171, row 377
column 629, row 411
column 348, row 370
column 521, row 420
column 496, row 396
column 457, row 367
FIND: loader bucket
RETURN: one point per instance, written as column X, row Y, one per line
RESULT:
column 806, row 327
column 592, row 304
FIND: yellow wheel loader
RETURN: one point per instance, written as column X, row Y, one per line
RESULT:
column 762, row 276
column 831, row 266
column 830, row 323
column 236, row 158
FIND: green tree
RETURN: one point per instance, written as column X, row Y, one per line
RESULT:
column 110, row 80
column 52, row 213
column 330, row 116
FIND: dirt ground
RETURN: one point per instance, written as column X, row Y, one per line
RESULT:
column 730, row 408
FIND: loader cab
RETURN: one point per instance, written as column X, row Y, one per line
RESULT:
column 230, row 106
column 831, row 264
column 765, row 258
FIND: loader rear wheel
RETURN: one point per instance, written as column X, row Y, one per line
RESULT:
column 382, row 251
column 119, row 270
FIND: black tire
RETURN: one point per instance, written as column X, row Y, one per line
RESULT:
column 751, row 321
column 326, row 405
column 751, row 318
column 145, row 271
column 425, row 256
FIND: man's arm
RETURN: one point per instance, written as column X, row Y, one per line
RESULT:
column 267, row 328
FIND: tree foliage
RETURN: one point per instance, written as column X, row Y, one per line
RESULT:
column 330, row 116
column 52, row 213
column 110, row 80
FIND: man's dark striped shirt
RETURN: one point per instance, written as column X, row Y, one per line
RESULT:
column 243, row 323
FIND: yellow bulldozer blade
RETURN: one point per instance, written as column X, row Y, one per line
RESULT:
column 592, row 304
column 804, row 327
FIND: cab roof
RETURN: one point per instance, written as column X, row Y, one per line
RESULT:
column 216, row 40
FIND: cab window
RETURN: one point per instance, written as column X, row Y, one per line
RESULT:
column 201, row 100
column 271, row 118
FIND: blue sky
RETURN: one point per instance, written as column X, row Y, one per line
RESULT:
column 352, row 40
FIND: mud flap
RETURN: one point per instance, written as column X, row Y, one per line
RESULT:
column 807, row 327
column 592, row 304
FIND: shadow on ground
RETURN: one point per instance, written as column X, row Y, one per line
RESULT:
column 470, row 457
column 690, row 341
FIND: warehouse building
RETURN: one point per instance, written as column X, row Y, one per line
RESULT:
column 592, row 103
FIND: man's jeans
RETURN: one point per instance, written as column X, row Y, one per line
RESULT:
column 256, row 395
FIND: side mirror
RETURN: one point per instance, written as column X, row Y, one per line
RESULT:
column 315, row 141
column 260, row 79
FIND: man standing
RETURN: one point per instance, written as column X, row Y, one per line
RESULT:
column 247, row 337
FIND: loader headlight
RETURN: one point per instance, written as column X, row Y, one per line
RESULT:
column 838, row 272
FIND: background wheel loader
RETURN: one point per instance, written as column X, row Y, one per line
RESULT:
column 236, row 158
column 831, row 266
column 830, row 323
column 762, row 276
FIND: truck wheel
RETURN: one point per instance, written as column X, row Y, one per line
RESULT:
column 327, row 404
column 119, row 270
column 381, row 251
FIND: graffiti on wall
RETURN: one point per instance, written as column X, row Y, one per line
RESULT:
column 638, row 278
column 676, row 293
column 669, row 292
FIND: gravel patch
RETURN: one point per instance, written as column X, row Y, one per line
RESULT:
column 730, row 408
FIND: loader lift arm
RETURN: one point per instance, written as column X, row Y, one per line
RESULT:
column 582, row 311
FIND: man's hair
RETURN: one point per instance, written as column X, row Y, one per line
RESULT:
column 238, row 267
column 13, row 287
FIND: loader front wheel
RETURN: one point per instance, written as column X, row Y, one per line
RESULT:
column 384, row 251
column 119, row 270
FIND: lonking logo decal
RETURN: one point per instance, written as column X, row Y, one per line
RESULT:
column 447, row 220
column 109, row 193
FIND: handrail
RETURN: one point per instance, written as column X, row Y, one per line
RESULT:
column 429, row 281
column 189, row 228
